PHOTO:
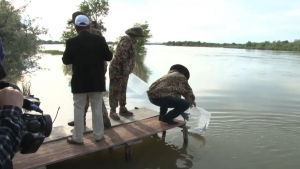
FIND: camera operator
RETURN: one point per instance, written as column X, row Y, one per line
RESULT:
column 11, row 102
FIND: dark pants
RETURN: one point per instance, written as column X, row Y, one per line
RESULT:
column 179, row 105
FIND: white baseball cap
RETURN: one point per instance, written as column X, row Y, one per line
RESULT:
column 82, row 20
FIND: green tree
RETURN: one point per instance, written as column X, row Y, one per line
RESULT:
column 248, row 44
column 20, row 41
column 95, row 10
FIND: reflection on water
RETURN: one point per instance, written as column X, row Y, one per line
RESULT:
column 140, row 69
column 161, row 155
column 253, row 96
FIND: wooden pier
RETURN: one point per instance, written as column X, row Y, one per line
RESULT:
column 128, row 132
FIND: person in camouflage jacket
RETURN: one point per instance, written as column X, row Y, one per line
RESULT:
column 166, row 93
column 94, row 29
column 120, row 68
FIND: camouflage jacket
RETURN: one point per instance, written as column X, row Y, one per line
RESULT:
column 173, row 84
column 125, row 55
column 96, row 31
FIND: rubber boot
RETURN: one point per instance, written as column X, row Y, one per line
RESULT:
column 113, row 114
column 124, row 112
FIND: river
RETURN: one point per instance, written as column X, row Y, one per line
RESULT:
column 253, row 97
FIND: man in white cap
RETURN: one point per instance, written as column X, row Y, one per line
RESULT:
column 87, row 53
column 94, row 28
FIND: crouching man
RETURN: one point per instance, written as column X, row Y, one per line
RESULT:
column 166, row 93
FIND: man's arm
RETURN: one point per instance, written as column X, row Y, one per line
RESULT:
column 68, row 57
column 11, row 101
column 123, row 52
column 186, row 91
column 10, row 134
column 107, row 55
column 2, row 54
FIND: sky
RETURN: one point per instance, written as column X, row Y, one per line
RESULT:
column 219, row 21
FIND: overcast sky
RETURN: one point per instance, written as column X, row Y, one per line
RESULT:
column 183, row 20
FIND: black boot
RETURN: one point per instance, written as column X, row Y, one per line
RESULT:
column 72, row 123
column 169, row 121
column 162, row 112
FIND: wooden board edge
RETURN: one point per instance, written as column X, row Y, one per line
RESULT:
column 90, row 131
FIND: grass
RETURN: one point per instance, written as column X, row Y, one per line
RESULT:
column 52, row 52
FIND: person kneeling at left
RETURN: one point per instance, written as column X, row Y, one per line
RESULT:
column 87, row 53
column 166, row 93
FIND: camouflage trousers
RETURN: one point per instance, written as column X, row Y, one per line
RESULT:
column 117, row 90
column 106, row 119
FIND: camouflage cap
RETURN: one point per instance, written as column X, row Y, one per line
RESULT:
column 136, row 31
column 74, row 15
column 181, row 69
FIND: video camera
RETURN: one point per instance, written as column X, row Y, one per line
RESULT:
column 36, row 127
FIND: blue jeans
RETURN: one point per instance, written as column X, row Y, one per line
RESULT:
column 179, row 105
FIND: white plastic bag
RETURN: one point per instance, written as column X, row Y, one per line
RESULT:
column 137, row 85
column 199, row 120
column 134, row 83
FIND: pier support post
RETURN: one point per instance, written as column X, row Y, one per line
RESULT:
column 128, row 152
column 185, row 133
column 164, row 134
column 185, row 136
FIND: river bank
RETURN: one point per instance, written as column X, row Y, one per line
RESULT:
column 275, row 45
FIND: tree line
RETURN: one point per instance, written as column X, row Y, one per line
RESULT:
column 267, row 45
column 51, row 42
column 46, row 42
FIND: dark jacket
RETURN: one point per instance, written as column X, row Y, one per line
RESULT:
column 87, row 52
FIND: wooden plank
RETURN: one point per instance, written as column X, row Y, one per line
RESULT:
column 57, row 153
column 123, row 145
column 62, row 132
column 60, row 150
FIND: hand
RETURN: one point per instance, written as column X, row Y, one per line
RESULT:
column 193, row 105
column 125, row 70
column 11, row 97
column 185, row 116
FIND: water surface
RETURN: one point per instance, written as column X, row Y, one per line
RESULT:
column 253, row 96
